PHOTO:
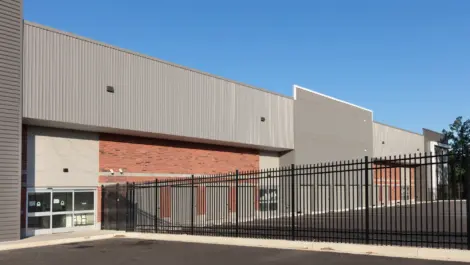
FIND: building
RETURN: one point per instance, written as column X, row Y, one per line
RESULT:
column 76, row 114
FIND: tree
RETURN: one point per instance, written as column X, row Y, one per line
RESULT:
column 458, row 138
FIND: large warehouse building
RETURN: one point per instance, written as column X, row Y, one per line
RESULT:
column 76, row 114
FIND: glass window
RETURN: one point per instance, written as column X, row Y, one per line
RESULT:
column 405, row 192
column 39, row 202
column 59, row 221
column 62, row 201
column 39, row 222
column 84, row 219
column 84, row 201
column 268, row 199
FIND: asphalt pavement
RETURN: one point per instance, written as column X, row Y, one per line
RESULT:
column 131, row 251
column 437, row 224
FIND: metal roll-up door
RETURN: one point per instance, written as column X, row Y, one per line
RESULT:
column 181, row 205
column 217, row 203
column 246, row 201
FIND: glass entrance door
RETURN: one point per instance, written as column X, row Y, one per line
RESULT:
column 38, row 219
column 60, row 210
column 84, row 208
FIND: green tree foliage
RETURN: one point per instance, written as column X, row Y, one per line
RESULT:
column 458, row 138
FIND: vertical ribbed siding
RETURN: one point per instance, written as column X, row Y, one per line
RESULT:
column 10, row 118
column 65, row 79
column 390, row 141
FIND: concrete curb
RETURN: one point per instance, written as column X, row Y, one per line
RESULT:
column 369, row 250
column 51, row 242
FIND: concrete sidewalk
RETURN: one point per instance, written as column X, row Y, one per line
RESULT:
column 60, row 238
column 367, row 250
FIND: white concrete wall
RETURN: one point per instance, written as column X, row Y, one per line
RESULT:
column 50, row 150
column 268, row 160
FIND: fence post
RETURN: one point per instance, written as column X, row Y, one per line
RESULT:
column 466, row 160
column 117, row 206
column 127, row 207
column 102, row 207
column 192, row 204
column 133, row 207
column 236, row 203
column 367, row 199
column 156, row 206
column 293, row 199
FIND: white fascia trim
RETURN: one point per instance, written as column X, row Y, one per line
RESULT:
column 326, row 96
column 446, row 146
column 433, row 144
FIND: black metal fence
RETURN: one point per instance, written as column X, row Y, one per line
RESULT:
column 414, row 200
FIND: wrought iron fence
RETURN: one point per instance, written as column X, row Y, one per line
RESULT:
column 414, row 200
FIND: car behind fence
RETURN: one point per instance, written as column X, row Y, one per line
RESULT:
column 414, row 200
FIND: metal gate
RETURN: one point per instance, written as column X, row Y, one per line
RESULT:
column 114, row 205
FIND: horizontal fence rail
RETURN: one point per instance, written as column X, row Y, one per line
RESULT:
column 415, row 200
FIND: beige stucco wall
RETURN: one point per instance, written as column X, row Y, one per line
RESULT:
column 329, row 129
column 50, row 150
column 268, row 160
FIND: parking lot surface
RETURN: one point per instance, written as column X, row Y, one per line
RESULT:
column 132, row 251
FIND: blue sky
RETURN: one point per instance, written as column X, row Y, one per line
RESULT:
column 408, row 61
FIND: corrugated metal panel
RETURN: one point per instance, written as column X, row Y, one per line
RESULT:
column 10, row 118
column 391, row 141
column 65, row 79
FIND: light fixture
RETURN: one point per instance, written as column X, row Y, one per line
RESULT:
column 112, row 171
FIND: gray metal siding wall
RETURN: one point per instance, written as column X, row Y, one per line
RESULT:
column 390, row 141
column 65, row 79
column 328, row 130
column 10, row 117
column 431, row 136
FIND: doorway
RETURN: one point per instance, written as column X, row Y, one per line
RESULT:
column 59, row 210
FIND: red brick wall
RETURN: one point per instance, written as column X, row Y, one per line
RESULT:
column 122, row 179
column 201, row 200
column 389, row 178
column 140, row 155
column 147, row 155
